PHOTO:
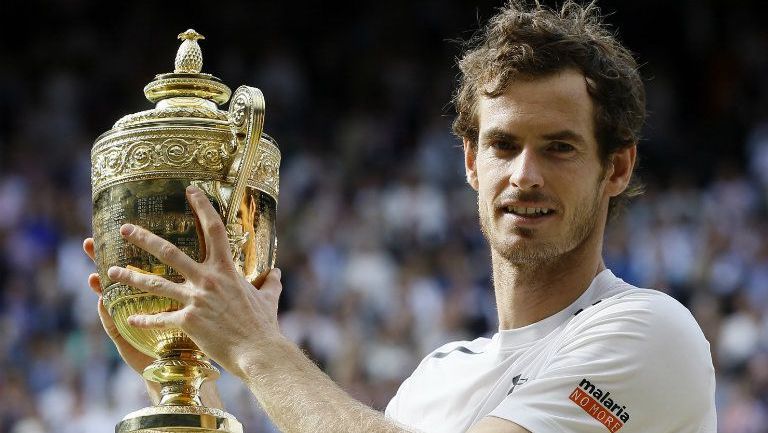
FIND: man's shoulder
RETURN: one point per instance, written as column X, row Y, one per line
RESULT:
column 639, row 334
column 446, row 372
column 631, row 303
column 642, row 320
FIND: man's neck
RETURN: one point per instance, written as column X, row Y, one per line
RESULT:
column 528, row 293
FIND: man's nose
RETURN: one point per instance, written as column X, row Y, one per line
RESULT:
column 525, row 171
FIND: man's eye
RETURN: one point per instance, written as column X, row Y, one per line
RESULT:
column 501, row 145
column 561, row 147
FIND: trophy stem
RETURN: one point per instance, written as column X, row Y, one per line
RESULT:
column 180, row 373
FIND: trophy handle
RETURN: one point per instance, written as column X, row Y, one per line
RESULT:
column 246, row 112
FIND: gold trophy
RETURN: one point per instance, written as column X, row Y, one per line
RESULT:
column 140, row 170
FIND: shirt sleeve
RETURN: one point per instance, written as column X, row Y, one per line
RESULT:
column 636, row 363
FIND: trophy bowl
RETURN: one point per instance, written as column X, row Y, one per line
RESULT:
column 140, row 171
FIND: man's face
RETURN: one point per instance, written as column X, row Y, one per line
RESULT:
column 542, row 190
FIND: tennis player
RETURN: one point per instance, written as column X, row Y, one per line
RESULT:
column 550, row 107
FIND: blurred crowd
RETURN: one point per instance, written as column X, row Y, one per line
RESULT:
column 380, row 247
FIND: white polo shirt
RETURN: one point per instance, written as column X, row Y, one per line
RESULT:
column 619, row 359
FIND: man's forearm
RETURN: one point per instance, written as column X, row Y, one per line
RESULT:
column 299, row 398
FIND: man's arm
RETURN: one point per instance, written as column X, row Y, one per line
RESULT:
column 491, row 424
column 298, row 397
column 236, row 325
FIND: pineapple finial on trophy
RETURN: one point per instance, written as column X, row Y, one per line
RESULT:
column 189, row 58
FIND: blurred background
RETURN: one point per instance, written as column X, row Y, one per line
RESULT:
column 379, row 243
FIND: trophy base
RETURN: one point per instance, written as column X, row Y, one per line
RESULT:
column 165, row 419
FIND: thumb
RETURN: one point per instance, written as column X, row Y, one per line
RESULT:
column 108, row 323
column 272, row 283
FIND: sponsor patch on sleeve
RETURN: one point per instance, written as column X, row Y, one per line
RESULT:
column 599, row 405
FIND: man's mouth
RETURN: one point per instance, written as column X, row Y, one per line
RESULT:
column 528, row 212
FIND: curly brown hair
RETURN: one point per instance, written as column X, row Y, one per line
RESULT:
column 523, row 42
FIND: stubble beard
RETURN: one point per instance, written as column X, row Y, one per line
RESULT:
column 537, row 253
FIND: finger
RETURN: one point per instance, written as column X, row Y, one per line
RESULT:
column 137, row 361
column 89, row 248
column 169, row 319
column 272, row 283
column 165, row 251
column 201, row 238
column 214, row 232
column 150, row 283
column 108, row 323
column 94, row 281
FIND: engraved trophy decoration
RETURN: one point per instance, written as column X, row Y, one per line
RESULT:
column 140, row 169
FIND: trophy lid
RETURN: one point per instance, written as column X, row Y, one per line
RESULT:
column 186, row 93
column 186, row 79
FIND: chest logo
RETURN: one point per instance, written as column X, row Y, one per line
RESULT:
column 600, row 406
column 517, row 380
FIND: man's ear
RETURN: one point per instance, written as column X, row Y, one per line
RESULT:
column 620, row 171
column 470, row 162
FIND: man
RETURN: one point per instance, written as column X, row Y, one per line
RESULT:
column 549, row 110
